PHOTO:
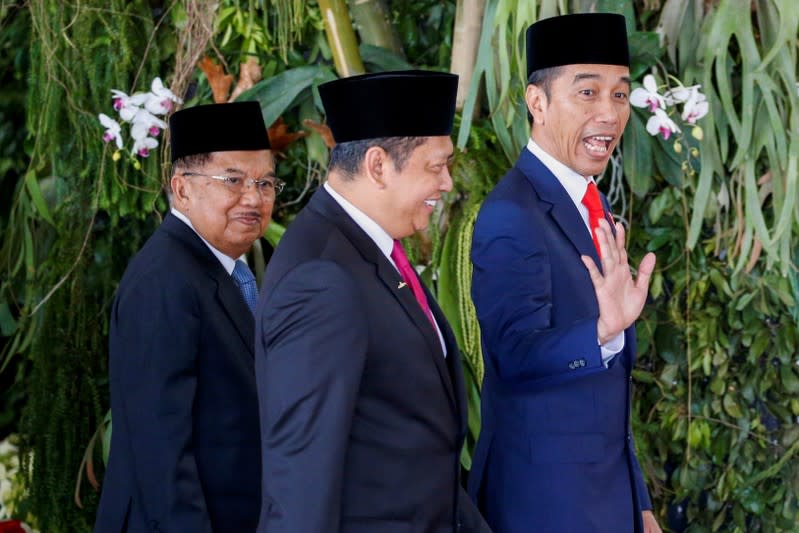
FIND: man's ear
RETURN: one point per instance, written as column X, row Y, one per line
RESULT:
column 375, row 165
column 536, row 102
column 180, row 192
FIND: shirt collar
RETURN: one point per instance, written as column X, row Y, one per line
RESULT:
column 574, row 183
column 382, row 239
column 228, row 263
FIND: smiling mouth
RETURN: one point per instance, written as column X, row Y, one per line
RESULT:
column 598, row 144
column 431, row 203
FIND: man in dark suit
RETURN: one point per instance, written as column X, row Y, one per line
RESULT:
column 556, row 453
column 185, row 449
column 362, row 405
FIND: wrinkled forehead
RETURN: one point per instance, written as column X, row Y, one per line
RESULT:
column 593, row 71
column 245, row 162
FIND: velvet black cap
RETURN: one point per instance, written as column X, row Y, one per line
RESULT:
column 590, row 38
column 407, row 103
column 217, row 128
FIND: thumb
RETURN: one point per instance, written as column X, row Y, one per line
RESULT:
column 645, row 270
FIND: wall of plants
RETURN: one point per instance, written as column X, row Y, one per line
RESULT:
column 717, row 398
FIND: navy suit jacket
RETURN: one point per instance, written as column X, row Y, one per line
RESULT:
column 362, row 416
column 555, row 453
column 185, row 448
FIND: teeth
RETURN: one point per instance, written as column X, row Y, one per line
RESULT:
column 431, row 203
column 596, row 149
column 598, row 144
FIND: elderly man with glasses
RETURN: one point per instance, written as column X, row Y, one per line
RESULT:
column 185, row 449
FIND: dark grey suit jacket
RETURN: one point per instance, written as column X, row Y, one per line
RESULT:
column 363, row 418
column 185, row 449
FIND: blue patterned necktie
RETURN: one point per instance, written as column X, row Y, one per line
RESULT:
column 244, row 279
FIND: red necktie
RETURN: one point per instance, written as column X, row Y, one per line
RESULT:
column 596, row 212
column 409, row 276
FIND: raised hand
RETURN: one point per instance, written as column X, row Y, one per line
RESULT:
column 620, row 297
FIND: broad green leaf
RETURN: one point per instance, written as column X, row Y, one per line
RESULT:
column 382, row 58
column 7, row 323
column 273, row 233
column 32, row 184
column 107, row 436
column 789, row 379
column 276, row 94
column 731, row 406
column 637, row 152
column 645, row 51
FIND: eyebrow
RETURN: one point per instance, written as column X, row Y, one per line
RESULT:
column 232, row 170
column 589, row 76
column 448, row 160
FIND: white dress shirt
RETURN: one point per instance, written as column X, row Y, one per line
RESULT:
column 575, row 186
column 382, row 239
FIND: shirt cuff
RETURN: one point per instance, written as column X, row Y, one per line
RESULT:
column 611, row 348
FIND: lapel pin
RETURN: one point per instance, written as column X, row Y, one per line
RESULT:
column 401, row 284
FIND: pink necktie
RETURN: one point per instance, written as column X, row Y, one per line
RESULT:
column 409, row 276
column 596, row 212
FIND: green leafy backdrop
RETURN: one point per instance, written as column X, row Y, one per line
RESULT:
column 717, row 388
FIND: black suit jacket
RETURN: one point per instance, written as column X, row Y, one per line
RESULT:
column 185, row 448
column 362, row 416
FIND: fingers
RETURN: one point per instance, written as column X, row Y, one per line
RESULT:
column 621, row 243
column 610, row 255
column 645, row 270
column 593, row 271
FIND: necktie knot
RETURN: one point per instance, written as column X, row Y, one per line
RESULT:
column 592, row 201
column 245, row 280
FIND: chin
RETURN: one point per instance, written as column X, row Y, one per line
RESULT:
column 594, row 169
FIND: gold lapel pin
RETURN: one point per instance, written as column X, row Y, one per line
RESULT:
column 401, row 284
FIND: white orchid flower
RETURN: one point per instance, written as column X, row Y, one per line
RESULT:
column 681, row 94
column 128, row 105
column 143, row 146
column 695, row 107
column 648, row 96
column 144, row 124
column 160, row 99
column 113, row 131
column 660, row 123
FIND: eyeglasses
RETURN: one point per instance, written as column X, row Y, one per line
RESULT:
column 236, row 184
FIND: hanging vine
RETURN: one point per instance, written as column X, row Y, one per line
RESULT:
column 76, row 217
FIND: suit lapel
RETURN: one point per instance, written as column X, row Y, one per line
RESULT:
column 228, row 295
column 453, row 364
column 325, row 205
column 562, row 209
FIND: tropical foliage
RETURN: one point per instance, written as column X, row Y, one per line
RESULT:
column 717, row 401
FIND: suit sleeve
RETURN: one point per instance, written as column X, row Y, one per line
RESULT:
column 309, row 360
column 156, row 335
column 640, row 485
column 512, row 293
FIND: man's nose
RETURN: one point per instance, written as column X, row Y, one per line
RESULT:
column 250, row 194
column 446, row 184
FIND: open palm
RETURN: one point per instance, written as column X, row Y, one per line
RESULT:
column 620, row 297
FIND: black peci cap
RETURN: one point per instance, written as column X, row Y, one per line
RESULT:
column 217, row 128
column 407, row 103
column 589, row 38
